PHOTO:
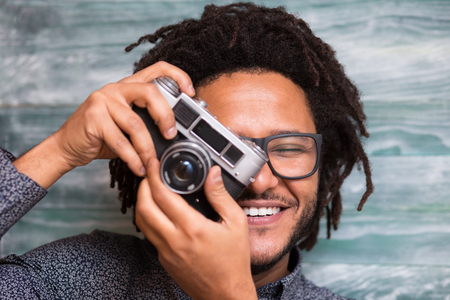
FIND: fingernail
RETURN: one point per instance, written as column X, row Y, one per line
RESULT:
column 217, row 177
column 143, row 170
column 171, row 132
column 191, row 89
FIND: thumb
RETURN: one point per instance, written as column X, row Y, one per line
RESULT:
column 218, row 196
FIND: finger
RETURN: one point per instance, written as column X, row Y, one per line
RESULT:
column 149, row 217
column 173, row 205
column 220, row 199
column 143, row 95
column 119, row 144
column 164, row 69
column 161, row 112
column 134, row 126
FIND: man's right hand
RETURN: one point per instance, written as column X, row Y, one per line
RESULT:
column 96, row 129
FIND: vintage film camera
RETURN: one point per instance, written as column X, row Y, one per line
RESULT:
column 201, row 142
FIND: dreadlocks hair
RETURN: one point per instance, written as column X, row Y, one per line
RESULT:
column 246, row 37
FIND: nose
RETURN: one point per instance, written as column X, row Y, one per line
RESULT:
column 264, row 180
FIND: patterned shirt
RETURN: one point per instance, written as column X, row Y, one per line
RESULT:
column 102, row 265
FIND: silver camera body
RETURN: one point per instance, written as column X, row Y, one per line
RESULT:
column 201, row 142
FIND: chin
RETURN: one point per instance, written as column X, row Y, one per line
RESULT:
column 265, row 251
column 264, row 256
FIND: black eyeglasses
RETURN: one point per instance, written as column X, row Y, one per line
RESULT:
column 292, row 155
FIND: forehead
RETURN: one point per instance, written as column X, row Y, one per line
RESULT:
column 258, row 104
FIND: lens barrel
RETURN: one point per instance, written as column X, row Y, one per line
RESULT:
column 184, row 167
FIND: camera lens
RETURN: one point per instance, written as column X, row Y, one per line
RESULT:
column 184, row 167
column 184, row 170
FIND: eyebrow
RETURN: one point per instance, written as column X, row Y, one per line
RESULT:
column 274, row 132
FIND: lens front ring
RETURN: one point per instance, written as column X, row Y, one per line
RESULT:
column 184, row 167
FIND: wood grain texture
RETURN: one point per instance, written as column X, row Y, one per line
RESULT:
column 55, row 53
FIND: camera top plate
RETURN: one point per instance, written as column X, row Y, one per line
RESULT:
column 240, row 158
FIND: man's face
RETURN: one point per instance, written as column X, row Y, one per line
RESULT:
column 259, row 105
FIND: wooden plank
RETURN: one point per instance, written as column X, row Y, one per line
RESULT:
column 382, row 282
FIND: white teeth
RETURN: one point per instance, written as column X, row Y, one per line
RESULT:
column 261, row 211
column 253, row 211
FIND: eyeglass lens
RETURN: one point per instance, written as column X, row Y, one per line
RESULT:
column 292, row 156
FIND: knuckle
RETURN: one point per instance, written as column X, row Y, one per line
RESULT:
column 92, row 112
column 110, row 87
column 147, row 151
column 135, row 122
column 135, row 159
column 95, row 109
column 102, row 95
column 162, row 64
column 151, row 93
column 220, row 191
column 150, row 88
column 195, row 231
column 177, row 248
column 167, row 119
column 121, row 142
column 96, row 97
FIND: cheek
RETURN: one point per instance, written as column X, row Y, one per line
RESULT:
column 305, row 190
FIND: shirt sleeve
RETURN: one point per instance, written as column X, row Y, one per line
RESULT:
column 18, row 282
column 18, row 193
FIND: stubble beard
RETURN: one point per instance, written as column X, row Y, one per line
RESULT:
column 298, row 232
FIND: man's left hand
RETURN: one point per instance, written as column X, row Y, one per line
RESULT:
column 208, row 260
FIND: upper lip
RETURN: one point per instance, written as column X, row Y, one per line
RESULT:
column 261, row 203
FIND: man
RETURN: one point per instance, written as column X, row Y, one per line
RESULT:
column 267, row 77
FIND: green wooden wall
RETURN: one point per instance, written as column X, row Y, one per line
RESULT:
column 53, row 54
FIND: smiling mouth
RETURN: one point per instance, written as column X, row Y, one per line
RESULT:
column 261, row 211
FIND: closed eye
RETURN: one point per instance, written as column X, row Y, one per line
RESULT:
column 287, row 150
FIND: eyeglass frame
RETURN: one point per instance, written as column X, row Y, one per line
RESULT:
column 264, row 142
